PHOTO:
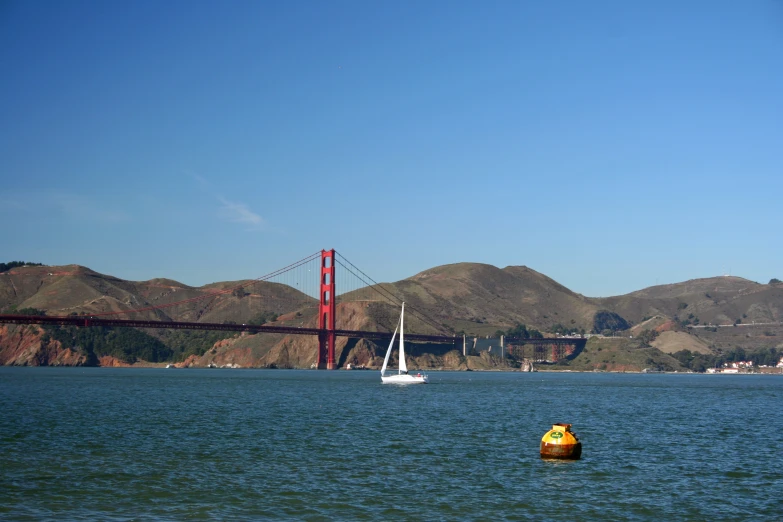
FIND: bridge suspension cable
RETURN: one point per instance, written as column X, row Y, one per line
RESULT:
column 307, row 283
column 219, row 293
column 387, row 295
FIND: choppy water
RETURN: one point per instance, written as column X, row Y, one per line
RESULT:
column 148, row 444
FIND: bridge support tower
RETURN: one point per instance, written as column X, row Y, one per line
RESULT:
column 326, row 312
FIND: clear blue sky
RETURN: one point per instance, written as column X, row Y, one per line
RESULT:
column 608, row 145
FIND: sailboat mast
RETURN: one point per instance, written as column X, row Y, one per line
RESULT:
column 403, row 366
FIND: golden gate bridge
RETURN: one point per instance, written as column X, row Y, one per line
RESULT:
column 301, row 288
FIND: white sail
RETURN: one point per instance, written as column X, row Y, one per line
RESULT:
column 403, row 366
column 402, row 376
column 388, row 352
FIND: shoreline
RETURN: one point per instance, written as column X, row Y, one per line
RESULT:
column 170, row 366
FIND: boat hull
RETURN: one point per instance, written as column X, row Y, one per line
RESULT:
column 404, row 379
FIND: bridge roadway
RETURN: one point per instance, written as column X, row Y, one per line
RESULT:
column 86, row 321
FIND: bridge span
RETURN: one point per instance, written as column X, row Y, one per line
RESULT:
column 326, row 299
column 87, row 321
column 561, row 347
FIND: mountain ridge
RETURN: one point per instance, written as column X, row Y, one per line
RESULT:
column 475, row 299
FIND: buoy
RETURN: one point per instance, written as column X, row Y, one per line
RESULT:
column 560, row 443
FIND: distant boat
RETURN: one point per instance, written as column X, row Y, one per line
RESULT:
column 402, row 376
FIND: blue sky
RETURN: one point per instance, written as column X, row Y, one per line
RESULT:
column 609, row 145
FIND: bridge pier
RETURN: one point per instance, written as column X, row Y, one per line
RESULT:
column 326, row 360
column 326, row 314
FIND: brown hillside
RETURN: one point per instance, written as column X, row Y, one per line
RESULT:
column 476, row 298
column 671, row 342
column 479, row 298
column 717, row 300
column 63, row 290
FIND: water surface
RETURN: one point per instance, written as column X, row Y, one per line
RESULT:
column 157, row 444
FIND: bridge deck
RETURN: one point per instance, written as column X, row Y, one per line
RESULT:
column 86, row 321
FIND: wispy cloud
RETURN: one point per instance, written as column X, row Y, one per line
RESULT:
column 230, row 211
column 201, row 181
column 240, row 213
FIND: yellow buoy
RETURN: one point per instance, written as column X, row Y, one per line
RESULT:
column 560, row 443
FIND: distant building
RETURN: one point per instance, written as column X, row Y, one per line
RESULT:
column 739, row 364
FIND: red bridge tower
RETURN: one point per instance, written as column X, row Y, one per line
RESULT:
column 326, row 312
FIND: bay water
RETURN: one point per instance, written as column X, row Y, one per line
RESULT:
column 186, row 444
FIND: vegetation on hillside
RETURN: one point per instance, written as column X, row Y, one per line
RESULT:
column 126, row 344
column 5, row 267
column 566, row 330
column 606, row 321
column 699, row 362
column 520, row 331
column 184, row 343
column 775, row 281
column 24, row 311
column 691, row 319
column 621, row 354
column 131, row 345
column 646, row 337
column 263, row 318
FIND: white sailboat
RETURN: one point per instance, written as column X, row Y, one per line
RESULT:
column 402, row 376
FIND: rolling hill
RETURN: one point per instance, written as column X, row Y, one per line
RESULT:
column 470, row 298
